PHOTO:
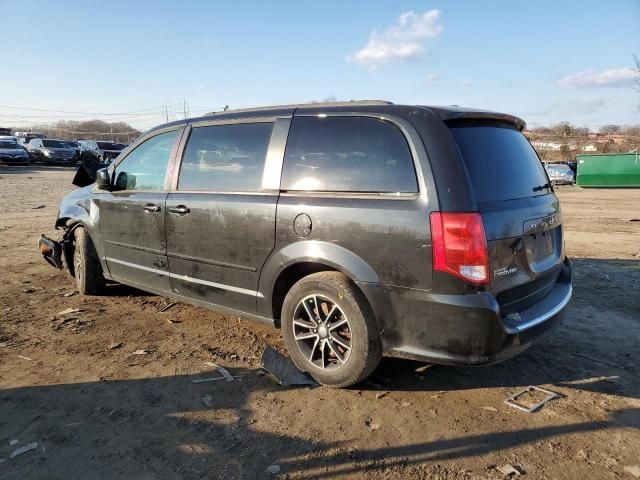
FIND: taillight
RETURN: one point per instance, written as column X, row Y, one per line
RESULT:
column 460, row 246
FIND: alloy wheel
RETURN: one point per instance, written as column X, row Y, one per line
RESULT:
column 322, row 332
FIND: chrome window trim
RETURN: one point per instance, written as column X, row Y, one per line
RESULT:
column 416, row 148
column 270, row 184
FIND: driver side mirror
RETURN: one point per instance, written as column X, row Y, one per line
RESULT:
column 102, row 179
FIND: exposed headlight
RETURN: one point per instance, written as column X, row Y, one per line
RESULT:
column 46, row 153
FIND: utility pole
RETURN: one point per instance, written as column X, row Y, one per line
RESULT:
column 184, row 107
column 166, row 112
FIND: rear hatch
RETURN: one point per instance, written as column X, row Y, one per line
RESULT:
column 520, row 212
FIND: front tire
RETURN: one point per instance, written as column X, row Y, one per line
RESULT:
column 86, row 265
column 330, row 330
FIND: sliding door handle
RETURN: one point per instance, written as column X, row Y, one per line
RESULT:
column 179, row 210
column 151, row 208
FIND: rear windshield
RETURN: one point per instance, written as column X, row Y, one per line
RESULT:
column 501, row 162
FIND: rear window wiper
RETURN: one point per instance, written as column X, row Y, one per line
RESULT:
column 542, row 187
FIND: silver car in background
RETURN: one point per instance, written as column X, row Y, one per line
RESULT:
column 560, row 173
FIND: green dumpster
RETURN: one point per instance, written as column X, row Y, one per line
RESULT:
column 608, row 170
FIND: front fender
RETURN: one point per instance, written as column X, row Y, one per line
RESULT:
column 80, row 208
column 325, row 253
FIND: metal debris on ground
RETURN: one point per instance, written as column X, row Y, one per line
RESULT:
column 283, row 369
column 633, row 470
column 25, row 358
column 25, row 449
column 223, row 371
column 511, row 401
column 512, row 470
column 371, row 425
column 32, row 289
column 207, row 379
column 599, row 360
column 207, row 400
column 273, row 469
column 167, row 307
column 139, row 352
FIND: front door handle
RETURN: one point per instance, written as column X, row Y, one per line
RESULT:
column 179, row 210
column 151, row 208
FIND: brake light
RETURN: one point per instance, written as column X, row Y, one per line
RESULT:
column 460, row 246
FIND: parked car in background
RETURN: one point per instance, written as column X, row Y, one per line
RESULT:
column 25, row 137
column 332, row 223
column 48, row 151
column 102, row 152
column 76, row 148
column 109, row 150
column 12, row 152
column 560, row 173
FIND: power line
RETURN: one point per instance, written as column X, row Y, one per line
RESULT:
column 131, row 112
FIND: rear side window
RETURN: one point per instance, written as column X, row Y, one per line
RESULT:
column 347, row 154
column 225, row 158
column 502, row 164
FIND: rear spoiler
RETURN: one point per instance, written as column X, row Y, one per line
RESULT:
column 456, row 116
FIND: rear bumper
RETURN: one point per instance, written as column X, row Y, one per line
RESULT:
column 465, row 329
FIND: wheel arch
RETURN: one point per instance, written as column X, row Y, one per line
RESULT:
column 75, row 216
column 292, row 263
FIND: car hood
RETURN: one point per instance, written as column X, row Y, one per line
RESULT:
column 12, row 150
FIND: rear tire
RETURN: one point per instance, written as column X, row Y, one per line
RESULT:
column 86, row 265
column 352, row 324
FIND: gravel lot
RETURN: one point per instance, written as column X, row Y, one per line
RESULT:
column 71, row 384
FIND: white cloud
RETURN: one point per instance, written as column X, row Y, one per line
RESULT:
column 615, row 77
column 432, row 77
column 401, row 41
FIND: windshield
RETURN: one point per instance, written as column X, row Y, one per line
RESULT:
column 109, row 146
column 72, row 144
column 559, row 168
column 8, row 144
column 54, row 144
column 502, row 164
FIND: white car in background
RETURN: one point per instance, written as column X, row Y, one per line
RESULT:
column 560, row 173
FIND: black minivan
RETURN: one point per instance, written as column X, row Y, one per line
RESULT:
column 358, row 228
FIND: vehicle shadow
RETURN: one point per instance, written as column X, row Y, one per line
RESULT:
column 594, row 349
column 160, row 428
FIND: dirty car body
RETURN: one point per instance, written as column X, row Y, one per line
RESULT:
column 442, row 218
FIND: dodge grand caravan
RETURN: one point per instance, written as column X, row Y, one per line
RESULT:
column 359, row 229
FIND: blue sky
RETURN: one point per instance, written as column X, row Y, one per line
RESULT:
column 546, row 61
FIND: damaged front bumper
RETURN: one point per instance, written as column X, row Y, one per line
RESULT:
column 51, row 250
column 58, row 252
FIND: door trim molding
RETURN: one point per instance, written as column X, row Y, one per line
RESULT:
column 187, row 278
column 189, row 258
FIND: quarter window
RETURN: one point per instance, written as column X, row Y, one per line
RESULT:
column 347, row 154
column 146, row 166
column 225, row 158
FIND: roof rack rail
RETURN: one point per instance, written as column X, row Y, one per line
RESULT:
column 303, row 105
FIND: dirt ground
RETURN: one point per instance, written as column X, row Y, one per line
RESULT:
column 73, row 385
